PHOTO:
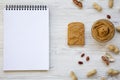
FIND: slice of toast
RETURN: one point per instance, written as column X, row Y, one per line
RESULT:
column 76, row 33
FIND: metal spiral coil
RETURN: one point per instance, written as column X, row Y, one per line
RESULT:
column 26, row 7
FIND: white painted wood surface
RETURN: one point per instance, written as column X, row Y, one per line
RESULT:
column 63, row 58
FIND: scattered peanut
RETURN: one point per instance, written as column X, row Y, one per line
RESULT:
column 105, row 60
column 116, row 50
column 82, row 55
column 97, row 7
column 80, row 62
column 87, row 58
column 108, row 16
column 103, row 78
column 110, row 3
column 73, row 76
column 113, row 48
column 110, row 58
column 112, row 72
column 91, row 73
column 78, row 3
column 118, row 28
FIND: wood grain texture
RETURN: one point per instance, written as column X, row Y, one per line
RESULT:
column 63, row 58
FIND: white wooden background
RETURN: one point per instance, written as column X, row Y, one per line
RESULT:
column 63, row 58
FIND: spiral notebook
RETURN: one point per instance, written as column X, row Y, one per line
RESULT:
column 26, row 37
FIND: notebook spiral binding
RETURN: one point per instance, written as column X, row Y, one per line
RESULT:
column 26, row 7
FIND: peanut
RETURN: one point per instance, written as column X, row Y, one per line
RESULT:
column 103, row 78
column 73, row 76
column 105, row 60
column 116, row 50
column 118, row 28
column 110, row 58
column 110, row 3
column 78, row 3
column 91, row 73
column 97, row 7
column 113, row 48
column 112, row 72
column 87, row 58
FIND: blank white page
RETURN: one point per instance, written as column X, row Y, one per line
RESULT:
column 26, row 39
